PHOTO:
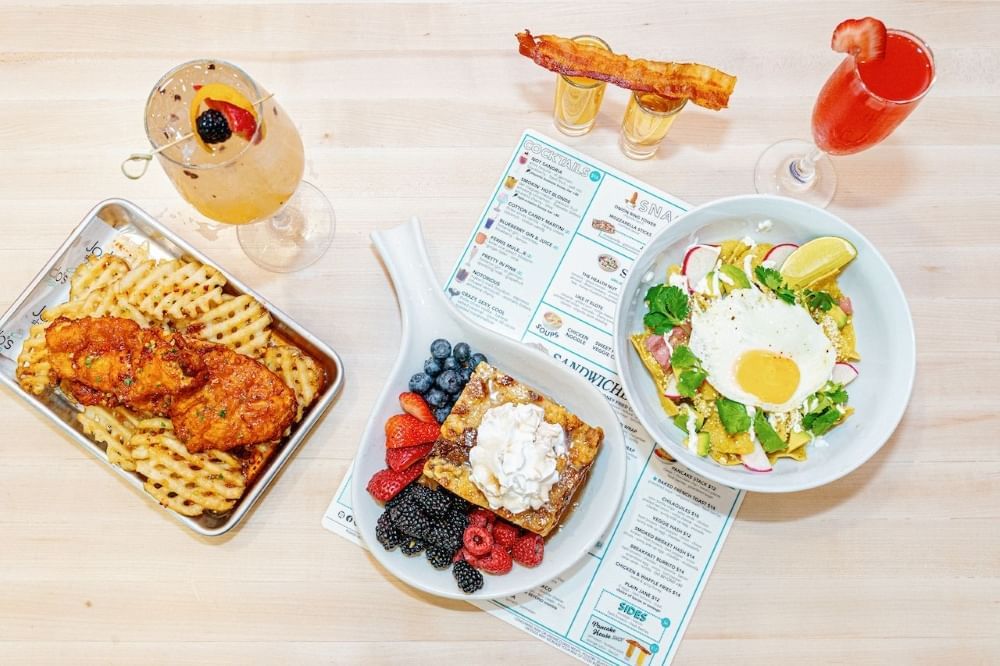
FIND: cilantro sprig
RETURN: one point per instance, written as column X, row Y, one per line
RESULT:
column 692, row 374
column 826, row 411
column 668, row 307
column 772, row 279
column 818, row 300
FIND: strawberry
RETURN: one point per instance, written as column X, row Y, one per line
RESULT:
column 401, row 459
column 388, row 483
column 864, row 38
column 505, row 534
column 482, row 518
column 498, row 562
column 241, row 121
column 477, row 541
column 414, row 405
column 404, row 430
column 528, row 550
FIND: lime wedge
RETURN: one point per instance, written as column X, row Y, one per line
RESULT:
column 818, row 259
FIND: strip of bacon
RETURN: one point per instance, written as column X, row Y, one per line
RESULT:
column 703, row 85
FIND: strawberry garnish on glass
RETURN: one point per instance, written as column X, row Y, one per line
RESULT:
column 863, row 38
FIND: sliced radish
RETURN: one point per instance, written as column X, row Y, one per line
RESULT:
column 699, row 261
column 844, row 373
column 756, row 460
column 671, row 390
column 777, row 254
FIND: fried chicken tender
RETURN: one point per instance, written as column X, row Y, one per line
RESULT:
column 217, row 398
column 241, row 403
column 111, row 361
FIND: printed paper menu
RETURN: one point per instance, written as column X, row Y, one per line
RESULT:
column 544, row 265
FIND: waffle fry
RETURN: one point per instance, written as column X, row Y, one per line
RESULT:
column 133, row 253
column 172, row 290
column 33, row 367
column 188, row 483
column 255, row 459
column 298, row 371
column 240, row 323
column 103, row 302
column 95, row 273
column 114, row 428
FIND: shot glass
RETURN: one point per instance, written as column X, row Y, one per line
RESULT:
column 647, row 120
column 578, row 99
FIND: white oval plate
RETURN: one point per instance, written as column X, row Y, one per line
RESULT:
column 426, row 315
column 881, row 318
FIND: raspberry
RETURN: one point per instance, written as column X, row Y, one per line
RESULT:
column 528, row 550
column 469, row 580
column 477, row 540
column 482, row 518
column 505, row 534
column 498, row 562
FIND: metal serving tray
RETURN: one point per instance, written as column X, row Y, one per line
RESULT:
column 117, row 217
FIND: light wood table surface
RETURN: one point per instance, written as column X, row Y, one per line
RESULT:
column 412, row 109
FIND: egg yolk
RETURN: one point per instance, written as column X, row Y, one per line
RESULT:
column 769, row 376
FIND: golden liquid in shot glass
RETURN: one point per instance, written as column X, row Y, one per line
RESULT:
column 647, row 120
column 578, row 99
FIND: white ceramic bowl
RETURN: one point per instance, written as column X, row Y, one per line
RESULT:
column 427, row 315
column 881, row 318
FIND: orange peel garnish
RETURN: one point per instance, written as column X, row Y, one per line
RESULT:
column 703, row 85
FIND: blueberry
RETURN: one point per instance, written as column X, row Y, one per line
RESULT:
column 432, row 367
column 442, row 413
column 462, row 352
column 440, row 349
column 421, row 383
column 476, row 359
column 449, row 382
column 451, row 363
column 465, row 374
column 436, row 398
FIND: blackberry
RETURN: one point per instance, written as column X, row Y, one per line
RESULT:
column 435, row 503
column 386, row 532
column 460, row 505
column 469, row 580
column 412, row 547
column 213, row 126
column 443, row 537
column 410, row 520
column 439, row 558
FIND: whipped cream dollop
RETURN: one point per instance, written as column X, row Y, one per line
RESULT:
column 514, row 459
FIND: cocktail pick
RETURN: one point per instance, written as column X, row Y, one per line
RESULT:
column 135, row 165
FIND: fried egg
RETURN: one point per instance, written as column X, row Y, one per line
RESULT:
column 761, row 351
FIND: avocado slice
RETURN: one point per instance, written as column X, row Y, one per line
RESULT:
column 739, row 278
column 703, row 443
column 681, row 419
column 838, row 315
column 798, row 439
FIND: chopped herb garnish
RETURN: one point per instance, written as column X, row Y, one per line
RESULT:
column 668, row 307
column 733, row 415
column 821, row 421
column 127, row 381
column 818, row 300
column 89, row 360
column 771, row 279
column 222, row 413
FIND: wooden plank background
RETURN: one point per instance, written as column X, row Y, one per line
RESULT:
column 412, row 108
